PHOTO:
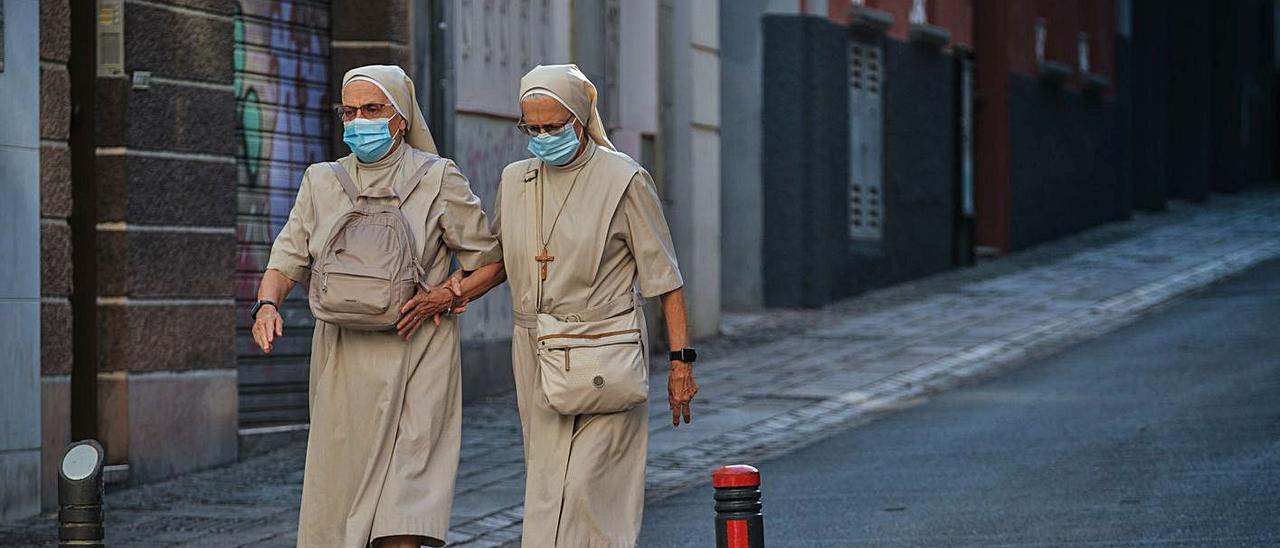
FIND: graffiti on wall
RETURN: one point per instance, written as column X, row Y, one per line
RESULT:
column 281, row 62
column 281, row 86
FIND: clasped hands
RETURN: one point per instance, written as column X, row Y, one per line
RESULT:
column 446, row 298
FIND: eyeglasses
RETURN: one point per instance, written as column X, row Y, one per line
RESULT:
column 545, row 128
column 369, row 110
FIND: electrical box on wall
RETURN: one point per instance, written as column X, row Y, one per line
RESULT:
column 866, row 142
column 110, row 38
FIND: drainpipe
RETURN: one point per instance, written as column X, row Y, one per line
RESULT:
column 84, row 221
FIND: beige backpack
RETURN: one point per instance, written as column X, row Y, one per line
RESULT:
column 368, row 267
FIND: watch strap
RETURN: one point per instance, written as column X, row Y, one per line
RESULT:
column 687, row 355
column 253, row 314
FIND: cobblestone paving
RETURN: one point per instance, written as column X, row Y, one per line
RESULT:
column 778, row 380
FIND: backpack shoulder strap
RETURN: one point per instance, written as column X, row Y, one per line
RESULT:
column 344, row 179
column 406, row 188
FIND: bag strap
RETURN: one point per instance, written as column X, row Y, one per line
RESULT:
column 534, row 209
column 402, row 192
column 344, row 179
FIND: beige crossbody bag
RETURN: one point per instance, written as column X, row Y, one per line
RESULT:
column 593, row 361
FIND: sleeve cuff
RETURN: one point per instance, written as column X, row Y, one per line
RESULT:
column 473, row 260
column 299, row 274
column 661, row 286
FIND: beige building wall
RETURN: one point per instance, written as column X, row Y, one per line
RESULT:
column 494, row 44
column 690, row 103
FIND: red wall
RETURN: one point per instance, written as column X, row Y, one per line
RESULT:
column 953, row 15
column 1063, row 21
column 1005, row 44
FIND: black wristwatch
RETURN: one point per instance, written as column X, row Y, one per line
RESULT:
column 686, row 355
column 253, row 312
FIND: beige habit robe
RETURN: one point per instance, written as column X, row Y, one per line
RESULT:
column 585, row 474
column 382, row 453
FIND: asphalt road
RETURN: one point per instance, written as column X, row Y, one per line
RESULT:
column 1163, row 433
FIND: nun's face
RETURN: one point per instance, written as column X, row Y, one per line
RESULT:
column 541, row 111
column 366, row 97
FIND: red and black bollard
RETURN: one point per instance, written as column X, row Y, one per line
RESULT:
column 739, row 523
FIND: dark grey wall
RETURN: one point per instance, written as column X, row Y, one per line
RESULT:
column 921, row 175
column 1144, row 77
column 809, row 259
column 920, row 171
column 805, row 114
column 1244, row 103
column 1064, row 168
column 1190, row 60
column 1204, row 98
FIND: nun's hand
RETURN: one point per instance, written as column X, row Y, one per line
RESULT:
column 424, row 304
column 454, row 283
column 266, row 327
column 681, row 388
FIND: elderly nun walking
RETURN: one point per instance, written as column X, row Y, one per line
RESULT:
column 581, row 230
column 382, row 452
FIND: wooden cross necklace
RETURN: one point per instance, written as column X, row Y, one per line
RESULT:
column 544, row 258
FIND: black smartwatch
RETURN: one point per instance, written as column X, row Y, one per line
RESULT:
column 253, row 312
column 686, row 355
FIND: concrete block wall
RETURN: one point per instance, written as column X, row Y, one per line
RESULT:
column 920, row 169
column 1064, row 163
column 20, row 128
column 805, row 177
column 1145, row 92
column 166, row 243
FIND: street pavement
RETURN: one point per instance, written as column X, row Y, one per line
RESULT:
column 1163, row 433
column 778, row 380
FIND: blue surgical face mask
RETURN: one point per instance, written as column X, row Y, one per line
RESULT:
column 555, row 148
column 369, row 139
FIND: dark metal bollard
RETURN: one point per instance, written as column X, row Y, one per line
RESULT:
column 80, row 495
column 739, row 523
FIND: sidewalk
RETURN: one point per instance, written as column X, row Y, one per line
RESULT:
column 776, row 380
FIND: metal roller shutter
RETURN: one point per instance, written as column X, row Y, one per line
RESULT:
column 282, row 101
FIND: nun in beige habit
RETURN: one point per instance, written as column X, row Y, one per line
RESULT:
column 602, row 236
column 382, row 452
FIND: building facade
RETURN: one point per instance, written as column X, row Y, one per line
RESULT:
column 877, row 141
column 804, row 150
column 158, row 200
column 850, row 119
column 20, row 227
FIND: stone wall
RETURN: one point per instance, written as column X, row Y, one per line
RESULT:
column 55, row 238
column 165, row 244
